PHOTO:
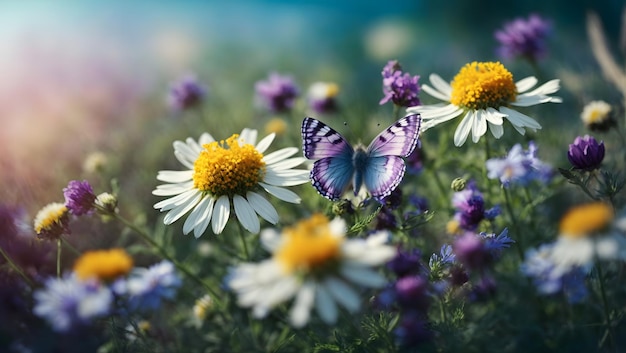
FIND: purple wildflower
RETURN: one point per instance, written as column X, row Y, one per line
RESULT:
column 523, row 38
column 67, row 303
column 586, row 153
column 519, row 167
column 411, row 292
column 470, row 207
column 186, row 93
column 405, row 263
column 471, row 251
column 79, row 197
column 400, row 88
column 278, row 93
column 412, row 330
column 322, row 97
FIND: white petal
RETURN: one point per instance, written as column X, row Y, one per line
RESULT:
column 265, row 143
column 343, row 294
column 248, row 136
column 496, row 130
column 325, row 305
column 185, row 154
column 444, row 113
column 279, row 155
column 441, row 85
column 435, row 93
column 518, row 119
column 246, row 215
column 363, row 276
column 172, row 202
column 270, row 239
column 204, row 139
column 221, row 213
column 525, row 84
column 286, row 177
column 206, row 218
column 287, row 164
column 461, row 132
column 281, row 193
column 262, row 207
column 495, row 117
column 175, row 176
column 200, row 214
column 172, row 189
column 301, row 310
column 549, row 87
column 173, row 215
column 479, row 125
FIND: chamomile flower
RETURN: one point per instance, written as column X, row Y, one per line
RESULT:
column 52, row 221
column 314, row 262
column 227, row 173
column 588, row 233
column 484, row 93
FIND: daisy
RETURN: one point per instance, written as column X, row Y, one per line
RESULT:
column 314, row 263
column 52, row 221
column 225, row 173
column 484, row 93
column 588, row 233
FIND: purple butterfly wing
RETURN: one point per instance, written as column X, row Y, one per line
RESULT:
column 383, row 174
column 398, row 139
column 321, row 141
column 332, row 173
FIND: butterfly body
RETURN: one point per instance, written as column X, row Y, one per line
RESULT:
column 379, row 167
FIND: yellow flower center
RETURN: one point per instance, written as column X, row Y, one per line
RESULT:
column 309, row 245
column 276, row 125
column 481, row 85
column 586, row 220
column 228, row 167
column 596, row 112
column 49, row 217
column 105, row 265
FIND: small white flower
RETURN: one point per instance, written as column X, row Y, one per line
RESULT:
column 483, row 92
column 228, row 175
column 316, row 265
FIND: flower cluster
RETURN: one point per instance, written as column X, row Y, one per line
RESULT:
column 186, row 93
column 277, row 94
column 525, row 38
column 399, row 87
column 470, row 208
column 586, row 153
column 322, row 97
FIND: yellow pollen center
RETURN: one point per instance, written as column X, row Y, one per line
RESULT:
column 104, row 265
column 49, row 216
column 586, row 220
column 228, row 167
column 482, row 85
column 309, row 245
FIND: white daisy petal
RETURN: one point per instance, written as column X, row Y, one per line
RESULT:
column 495, row 117
column 343, row 294
column 221, row 213
column 174, row 176
column 301, row 309
column 496, row 130
column 177, row 200
column 246, row 215
column 443, row 113
column 435, row 93
column 461, row 132
column 265, row 143
column 205, row 138
column 363, row 276
column 325, row 305
column 205, row 219
column 519, row 119
column 172, row 189
column 441, row 85
column 549, row 87
column 525, row 84
column 279, row 155
column 281, row 193
column 479, row 125
column 200, row 213
column 287, row 164
column 180, row 210
column 185, row 154
column 248, row 136
column 286, row 177
column 262, row 207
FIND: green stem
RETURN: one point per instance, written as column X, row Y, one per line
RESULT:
column 518, row 237
column 15, row 267
column 59, row 258
column 70, row 246
column 605, row 304
column 243, row 241
column 164, row 253
column 442, row 309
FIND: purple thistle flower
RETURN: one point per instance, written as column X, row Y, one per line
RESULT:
column 186, row 93
column 79, row 197
column 471, row 251
column 67, row 303
column 400, row 88
column 470, row 207
column 523, row 38
column 278, row 93
column 586, row 153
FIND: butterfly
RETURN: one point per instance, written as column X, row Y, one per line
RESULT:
column 380, row 167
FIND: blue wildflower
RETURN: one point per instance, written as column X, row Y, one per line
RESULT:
column 67, row 303
column 446, row 257
column 519, row 167
column 146, row 287
column 496, row 243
